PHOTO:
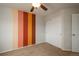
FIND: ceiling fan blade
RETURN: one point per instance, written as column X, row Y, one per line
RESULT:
column 32, row 9
column 43, row 7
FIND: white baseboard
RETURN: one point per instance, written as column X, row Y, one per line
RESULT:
column 19, row 48
column 66, row 49
column 32, row 45
column 16, row 48
column 10, row 50
column 61, row 48
column 54, row 45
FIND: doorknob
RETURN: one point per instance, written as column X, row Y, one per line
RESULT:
column 73, row 34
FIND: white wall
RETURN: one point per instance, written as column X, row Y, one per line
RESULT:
column 67, row 27
column 59, row 28
column 54, row 28
column 5, row 29
column 40, row 29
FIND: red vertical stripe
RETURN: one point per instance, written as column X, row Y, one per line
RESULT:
column 25, row 20
column 33, row 29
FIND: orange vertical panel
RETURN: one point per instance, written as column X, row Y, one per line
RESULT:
column 29, row 28
column 20, row 29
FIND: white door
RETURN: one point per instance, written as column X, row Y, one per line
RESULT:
column 75, row 32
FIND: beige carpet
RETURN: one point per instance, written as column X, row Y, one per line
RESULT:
column 43, row 49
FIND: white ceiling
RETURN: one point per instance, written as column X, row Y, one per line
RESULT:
column 51, row 7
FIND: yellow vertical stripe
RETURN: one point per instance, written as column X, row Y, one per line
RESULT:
column 29, row 28
column 15, row 28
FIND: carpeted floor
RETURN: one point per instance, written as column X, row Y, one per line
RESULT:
column 43, row 49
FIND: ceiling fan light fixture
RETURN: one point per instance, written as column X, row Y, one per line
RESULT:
column 36, row 5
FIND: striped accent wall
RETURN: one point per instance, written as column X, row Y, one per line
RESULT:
column 25, row 37
column 20, row 28
column 33, row 29
column 24, row 29
column 30, row 29
column 17, row 29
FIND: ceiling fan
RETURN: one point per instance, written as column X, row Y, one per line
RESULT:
column 37, row 5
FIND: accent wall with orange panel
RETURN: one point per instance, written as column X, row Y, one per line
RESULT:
column 26, row 29
column 17, row 29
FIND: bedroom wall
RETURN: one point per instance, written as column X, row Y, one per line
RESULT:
column 40, row 29
column 59, row 28
column 53, row 28
column 9, row 27
column 6, row 29
column 67, row 27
